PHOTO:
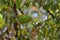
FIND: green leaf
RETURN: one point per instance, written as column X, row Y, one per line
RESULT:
column 1, row 21
column 1, row 16
column 11, row 3
column 18, row 3
column 39, row 35
column 18, row 34
column 24, row 19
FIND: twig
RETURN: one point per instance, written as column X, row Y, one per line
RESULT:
column 14, row 8
column 21, row 10
column 15, row 16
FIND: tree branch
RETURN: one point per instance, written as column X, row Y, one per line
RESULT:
column 15, row 16
column 21, row 10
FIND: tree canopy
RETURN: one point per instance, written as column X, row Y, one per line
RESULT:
column 29, row 19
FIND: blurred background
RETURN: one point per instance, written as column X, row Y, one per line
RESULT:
column 29, row 19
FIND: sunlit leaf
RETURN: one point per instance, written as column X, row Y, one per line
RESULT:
column 1, row 21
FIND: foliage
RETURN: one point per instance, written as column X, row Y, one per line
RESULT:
column 29, row 19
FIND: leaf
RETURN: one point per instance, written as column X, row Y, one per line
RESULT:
column 13, row 38
column 24, row 19
column 18, row 34
column 24, row 32
column 46, row 32
column 1, row 16
column 18, row 3
column 27, row 3
column 1, row 23
column 11, row 3
column 39, row 35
